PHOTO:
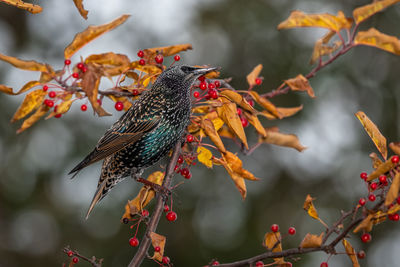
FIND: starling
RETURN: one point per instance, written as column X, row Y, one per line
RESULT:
column 146, row 132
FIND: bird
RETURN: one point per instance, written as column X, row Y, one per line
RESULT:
column 146, row 132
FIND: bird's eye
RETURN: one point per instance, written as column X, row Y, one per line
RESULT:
column 187, row 69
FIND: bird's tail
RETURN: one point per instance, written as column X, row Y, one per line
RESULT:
column 85, row 162
column 101, row 191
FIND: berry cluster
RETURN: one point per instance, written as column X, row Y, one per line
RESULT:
column 159, row 58
column 208, row 89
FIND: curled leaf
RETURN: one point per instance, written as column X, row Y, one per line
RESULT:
column 238, row 99
column 274, row 137
column 6, row 89
column 364, row 12
column 369, row 221
column 309, row 207
column 312, row 241
column 81, row 9
column 375, row 160
column 351, row 252
column 300, row 83
column 158, row 241
column 321, row 49
column 32, row 8
column 236, row 178
column 204, row 156
column 272, row 241
column 236, row 166
column 265, row 103
column 209, row 129
column 375, row 38
column 32, row 101
column 25, row 64
column 393, row 192
column 253, row 75
column 167, row 50
column 256, row 123
column 111, row 64
column 33, row 118
column 61, row 108
column 382, row 169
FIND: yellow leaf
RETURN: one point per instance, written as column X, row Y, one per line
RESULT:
column 238, row 99
column 81, row 9
column 204, row 156
column 236, row 178
column 376, row 162
column 209, row 129
column 61, row 109
column 373, row 132
column 375, row 38
column 24, row 64
column 166, row 50
column 351, row 253
column 265, row 103
column 91, row 33
column 312, row 241
column 274, row 137
column 32, row 8
column 253, row 75
column 33, row 118
column 300, row 19
column 236, row 166
column 382, row 169
column 272, row 241
column 287, row 112
column 309, row 207
column 395, row 147
column 158, row 241
column 393, row 192
column 111, row 64
column 300, row 83
column 321, row 48
column 256, row 123
column 32, row 101
column 364, row 12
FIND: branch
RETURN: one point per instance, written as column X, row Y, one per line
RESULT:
column 155, row 218
column 92, row 261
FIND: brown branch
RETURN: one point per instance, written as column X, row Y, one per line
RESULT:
column 155, row 218
column 92, row 261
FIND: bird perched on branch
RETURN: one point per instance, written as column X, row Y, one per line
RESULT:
column 146, row 132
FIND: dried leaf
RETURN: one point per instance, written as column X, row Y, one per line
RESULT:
column 228, row 113
column 226, row 132
column 32, row 101
column 365, row 225
column 236, row 166
column 6, row 89
column 204, row 156
column 158, row 241
column 329, row 21
column 256, row 123
column 351, row 253
column 375, row 38
column 91, row 33
column 167, row 50
column 300, row 83
column 30, row 65
column 280, row 139
column 253, row 75
column 309, row 207
column 236, row 178
column 265, row 103
column 238, row 99
column 81, row 9
column 382, row 169
column 211, row 132
column 393, row 192
column 33, row 118
column 32, row 8
column 373, row 132
column 312, row 241
column 395, row 147
column 272, row 241
column 364, row 12
column 61, row 109
column 287, row 112
column 111, row 64
column 321, row 49
column 376, row 162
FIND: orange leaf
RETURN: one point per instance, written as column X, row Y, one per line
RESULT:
column 321, row 49
column 32, row 101
column 383, row 168
column 351, row 253
column 6, row 89
column 364, row 12
column 280, row 139
column 287, row 112
column 238, row 99
column 272, row 241
column 158, row 241
column 25, row 65
column 376, row 162
column 365, row 225
column 226, row 132
column 236, row 178
column 312, row 241
column 256, row 123
column 61, row 109
column 91, row 33
column 395, row 147
column 309, row 207
column 253, row 75
column 300, row 19
column 33, row 118
column 300, row 83
column 81, row 9
column 228, row 113
column 111, row 64
column 393, row 192
column 236, row 165
column 209, row 129
column 34, row 9
column 265, row 103
column 167, row 50
column 375, row 38
column 373, row 132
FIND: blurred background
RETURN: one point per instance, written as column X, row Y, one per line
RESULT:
column 42, row 210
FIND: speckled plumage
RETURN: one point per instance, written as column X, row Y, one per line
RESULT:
column 146, row 132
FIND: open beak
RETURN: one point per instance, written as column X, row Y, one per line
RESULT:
column 202, row 71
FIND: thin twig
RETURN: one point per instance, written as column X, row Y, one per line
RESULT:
column 92, row 261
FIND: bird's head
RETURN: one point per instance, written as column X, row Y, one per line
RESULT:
column 179, row 78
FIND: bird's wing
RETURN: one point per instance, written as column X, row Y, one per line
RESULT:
column 116, row 139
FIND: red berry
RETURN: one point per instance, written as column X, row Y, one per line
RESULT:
column 383, row 179
column 45, row 88
column 189, row 138
column 211, row 86
column 119, row 105
column 177, row 57
column 157, row 249
column 80, row 65
column 398, row 200
column 134, row 242
column 251, row 102
column 135, row 92
column 159, row 59
column 140, row 53
column 70, row 253
column 165, row 260
column 395, row 217
column 217, row 84
column 75, row 75
column 395, row 159
column 239, row 111
column 184, row 172
column 366, row 237
column 201, row 78
column 166, row 208
column 324, row 264
column 274, row 228
column 213, row 94
column 84, row 69
column 258, row 81
column 196, row 94
column 58, row 116
column 361, row 254
column 259, row 264
column 75, row 260
column 171, row 216
column 245, row 122
column 145, row 213
column 363, row 175
column 188, row 176
column 52, row 94
column 374, row 186
column 292, row 230
column 362, row 201
column 203, row 85
column 180, row 160
column 83, row 107
column 215, row 263
column 372, row 197
column 99, row 102
column 142, row 62
column 67, row 62
column 49, row 103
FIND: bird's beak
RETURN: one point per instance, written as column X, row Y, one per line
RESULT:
column 202, row 71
